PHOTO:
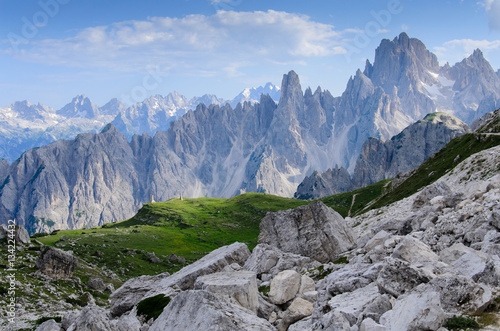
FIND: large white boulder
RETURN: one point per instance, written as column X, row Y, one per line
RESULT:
column 196, row 310
column 284, row 287
column 417, row 310
column 314, row 230
column 240, row 287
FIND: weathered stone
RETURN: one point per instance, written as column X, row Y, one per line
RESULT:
column 284, row 287
column 413, row 250
column 352, row 304
column 470, row 264
column 49, row 325
column 306, row 285
column 267, row 261
column 378, row 307
column 417, row 310
column 333, row 320
column 56, row 263
column 92, row 318
column 135, row 290
column 451, row 254
column 314, row 230
column 398, row 277
column 240, row 287
column 19, row 234
column 97, row 284
column 68, row 319
column 299, row 309
column 202, row 310
column 266, row 309
column 370, row 325
column 127, row 323
column 132, row 291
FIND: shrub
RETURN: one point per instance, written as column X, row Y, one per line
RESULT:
column 461, row 323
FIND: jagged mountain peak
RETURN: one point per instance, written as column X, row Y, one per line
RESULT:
column 290, row 85
column 79, row 107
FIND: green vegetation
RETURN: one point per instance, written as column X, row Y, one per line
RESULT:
column 363, row 197
column 45, row 319
column 438, row 165
column 189, row 228
column 264, row 289
column 342, row 260
column 461, row 323
column 152, row 307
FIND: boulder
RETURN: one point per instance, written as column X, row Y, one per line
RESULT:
column 56, row 263
column 370, row 325
column 195, row 310
column 240, row 287
column 451, row 254
column 68, row 319
column 284, row 287
column 398, row 276
column 333, row 320
column 299, row 309
column 97, row 284
column 92, row 318
column 315, row 230
column 459, row 294
column 470, row 264
column 413, row 250
column 418, row 310
column 21, row 236
column 49, row 325
column 134, row 290
column 127, row 323
column 490, row 275
column 306, row 285
column 352, row 304
column 267, row 261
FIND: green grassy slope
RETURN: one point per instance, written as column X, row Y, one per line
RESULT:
column 438, row 165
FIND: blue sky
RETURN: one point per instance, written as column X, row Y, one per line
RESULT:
column 52, row 50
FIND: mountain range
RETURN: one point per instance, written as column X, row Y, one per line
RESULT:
column 220, row 150
column 24, row 126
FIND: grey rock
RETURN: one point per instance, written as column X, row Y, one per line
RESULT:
column 419, row 310
column 137, row 289
column 19, row 234
column 330, row 182
column 127, row 323
column 284, row 287
column 203, row 310
column 132, row 291
column 56, row 263
column 49, row 325
column 398, row 277
column 267, row 261
column 97, row 284
column 239, row 287
column 298, row 310
column 370, row 325
column 92, row 318
column 352, row 304
column 333, row 320
column 68, row 319
column 315, row 230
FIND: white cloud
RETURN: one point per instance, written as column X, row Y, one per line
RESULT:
column 493, row 9
column 456, row 50
column 195, row 43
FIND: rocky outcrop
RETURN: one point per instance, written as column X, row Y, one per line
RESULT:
column 203, row 310
column 381, row 160
column 18, row 233
column 315, row 230
column 134, row 290
column 239, row 287
column 56, row 263
column 324, row 184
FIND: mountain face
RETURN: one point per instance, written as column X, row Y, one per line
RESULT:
column 222, row 150
column 381, row 160
column 24, row 126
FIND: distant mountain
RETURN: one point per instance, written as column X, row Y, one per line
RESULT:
column 253, row 94
column 381, row 160
column 24, row 126
column 219, row 150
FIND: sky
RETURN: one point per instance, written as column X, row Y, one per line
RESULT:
column 53, row 50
